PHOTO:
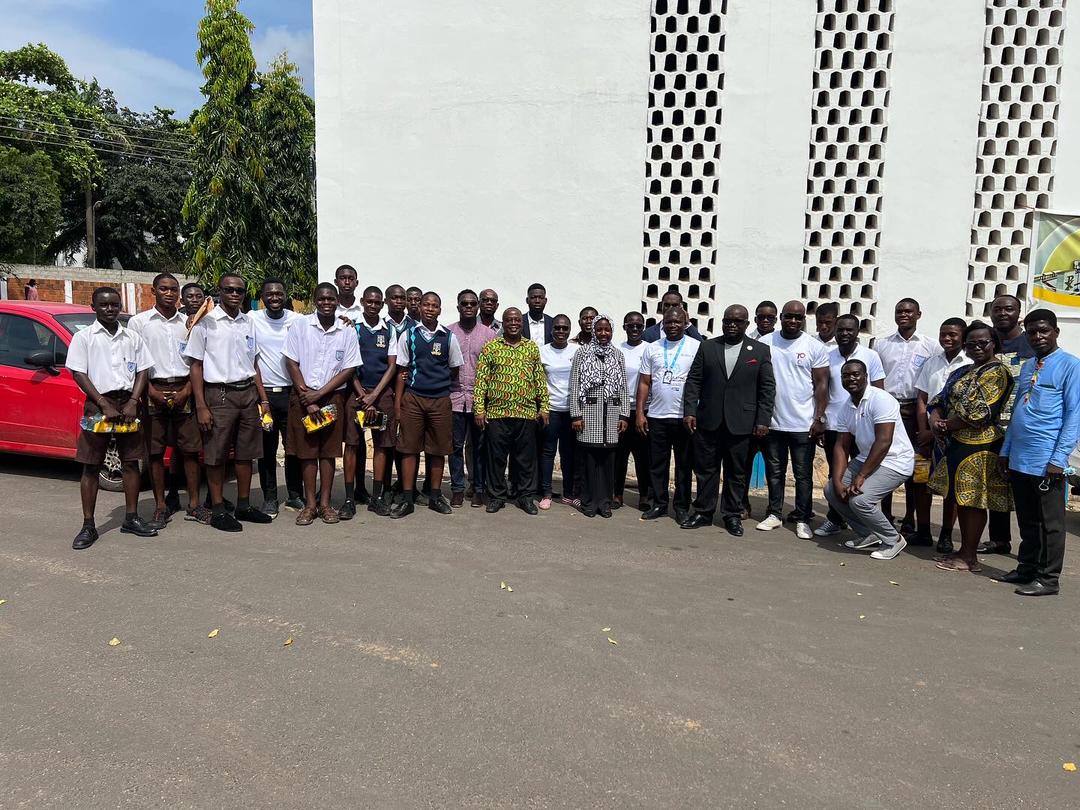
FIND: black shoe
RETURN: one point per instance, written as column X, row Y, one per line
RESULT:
column 590, row 513
column 438, row 503
column 225, row 522
column 378, row 506
column 655, row 512
column 423, row 496
column 681, row 516
column 270, row 507
column 172, row 502
column 477, row 499
column 402, row 509
column 527, row 505
column 137, row 526
column 295, row 503
column 362, row 497
column 994, row 547
column 251, row 515
column 86, row 537
column 733, row 526
column 347, row 510
column 1037, row 588
column 1014, row 577
column 229, row 505
column 945, row 545
column 697, row 521
column 920, row 538
column 494, row 505
column 604, row 511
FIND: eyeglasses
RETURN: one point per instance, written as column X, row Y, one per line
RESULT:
column 732, row 321
column 232, row 290
column 978, row 344
column 791, row 316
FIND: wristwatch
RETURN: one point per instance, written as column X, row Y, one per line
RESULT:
column 820, row 419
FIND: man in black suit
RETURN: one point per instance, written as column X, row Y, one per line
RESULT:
column 537, row 324
column 728, row 398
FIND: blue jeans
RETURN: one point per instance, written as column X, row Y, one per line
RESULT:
column 558, row 434
column 801, row 447
column 465, row 428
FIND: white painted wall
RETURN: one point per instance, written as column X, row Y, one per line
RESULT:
column 492, row 144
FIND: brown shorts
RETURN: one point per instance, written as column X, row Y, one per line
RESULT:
column 236, row 425
column 173, row 428
column 379, row 438
column 427, row 425
column 90, row 448
column 324, row 443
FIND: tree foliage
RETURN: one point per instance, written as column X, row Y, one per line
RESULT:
column 29, row 205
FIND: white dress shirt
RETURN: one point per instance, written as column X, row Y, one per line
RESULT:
column 271, row 333
column 322, row 354
column 226, row 346
column 902, row 360
column 534, row 330
column 935, row 373
column 110, row 361
column 355, row 313
column 165, row 338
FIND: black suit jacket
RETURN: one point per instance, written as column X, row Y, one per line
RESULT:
column 739, row 398
column 547, row 328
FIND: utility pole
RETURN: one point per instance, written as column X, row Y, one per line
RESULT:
column 91, row 244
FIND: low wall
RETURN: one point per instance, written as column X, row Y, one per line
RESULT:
column 74, row 285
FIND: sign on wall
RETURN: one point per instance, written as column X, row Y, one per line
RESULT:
column 1054, row 269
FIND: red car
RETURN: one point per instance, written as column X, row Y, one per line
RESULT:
column 42, row 405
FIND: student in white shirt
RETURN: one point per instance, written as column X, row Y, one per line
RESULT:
column 846, row 336
column 801, row 368
column 631, row 442
column 272, row 324
column 825, row 323
column 871, row 422
column 228, row 389
column 349, row 310
column 321, row 355
column 929, row 382
column 109, row 363
column 903, row 354
column 558, row 434
column 662, row 377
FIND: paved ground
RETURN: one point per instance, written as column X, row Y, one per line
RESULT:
column 760, row 672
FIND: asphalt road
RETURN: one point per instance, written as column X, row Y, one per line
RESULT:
column 755, row 672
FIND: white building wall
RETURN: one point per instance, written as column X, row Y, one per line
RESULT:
column 473, row 144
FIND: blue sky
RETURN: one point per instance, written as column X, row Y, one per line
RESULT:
column 145, row 49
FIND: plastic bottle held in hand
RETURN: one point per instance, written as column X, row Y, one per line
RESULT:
column 99, row 424
column 265, row 418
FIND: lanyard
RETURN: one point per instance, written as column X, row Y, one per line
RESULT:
column 669, row 366
column 1034, row 381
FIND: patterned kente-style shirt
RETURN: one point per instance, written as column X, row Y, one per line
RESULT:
column 510, row 381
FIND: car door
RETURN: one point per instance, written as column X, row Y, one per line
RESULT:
column 41, row 408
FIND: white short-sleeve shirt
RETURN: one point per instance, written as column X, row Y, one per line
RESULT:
column 165, row 338
column 271, row 334
column 632, row 355
column 668, row 364
column 935, row 372
column 793, row 363
column 838, row 397
column 403, row 356
column 111, row 361
column 557, row 369
column 903, row 360
column 226, row 346
column 322, row 354
column 878, row 407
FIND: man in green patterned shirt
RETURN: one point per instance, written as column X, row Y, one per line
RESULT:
column 509, row 397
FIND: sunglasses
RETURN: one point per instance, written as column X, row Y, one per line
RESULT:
column 732, row 321
column 978, row 344
column 232, row 290
column 791, row 316
column 633, row 325
column 765, row 317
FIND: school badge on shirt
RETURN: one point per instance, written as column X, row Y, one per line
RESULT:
column 380, row 341
column 436, row 350
column 339, row 355
column 131, row 366
column 251, row 343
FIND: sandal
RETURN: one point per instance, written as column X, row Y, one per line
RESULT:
column 200, row 514
column 328, row 514
column 958, row 565
column 306, row 516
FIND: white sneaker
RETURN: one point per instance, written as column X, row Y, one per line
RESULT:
column 769, row 523
column 888, row 552
column 827, row 529
column 859, row 543
column 803, row 532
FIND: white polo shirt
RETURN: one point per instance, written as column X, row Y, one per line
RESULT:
column 902, row 360
column 271, row 333
column 935, row 372
column 322, row 354
column 110, row 361
column 632, row 355
column 838, row 397
column 226, row 346
column 878, row 407
column 793, row 363
column 165, row 338
column 668, row 364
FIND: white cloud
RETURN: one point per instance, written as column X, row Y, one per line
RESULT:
column 268, row 43
column 140, row 79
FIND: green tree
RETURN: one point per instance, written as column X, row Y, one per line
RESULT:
column 223, row 203
column 29, row 205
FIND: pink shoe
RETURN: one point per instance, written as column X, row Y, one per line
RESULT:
column 545, row 502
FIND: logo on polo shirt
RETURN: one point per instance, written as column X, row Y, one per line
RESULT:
column 436, row 350
column 380, row 341
column 339, row 355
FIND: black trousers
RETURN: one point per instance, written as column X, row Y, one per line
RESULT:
column 294, row 481
column 1041, row 517
column 632, row 443
column 999, row 526
column 778, row 446
column 711, row 447
column 667, row 437
column 598, row 471
column 514, row 439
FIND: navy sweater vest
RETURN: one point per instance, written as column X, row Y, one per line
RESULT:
column 429, row 363
column 373, row 351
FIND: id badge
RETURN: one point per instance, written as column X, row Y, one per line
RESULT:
column 667, row 377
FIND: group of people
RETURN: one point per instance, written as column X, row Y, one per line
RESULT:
column 985, row 416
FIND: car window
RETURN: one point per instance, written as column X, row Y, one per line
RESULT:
column 77, row 321
column 21, row 337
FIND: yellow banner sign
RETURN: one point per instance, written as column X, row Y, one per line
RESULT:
column 1055, row 262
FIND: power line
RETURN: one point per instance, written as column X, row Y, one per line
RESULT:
column 116, row 125
column 90, row 136
column 124, row 129
column 125, row 153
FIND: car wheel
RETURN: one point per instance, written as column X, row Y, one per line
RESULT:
column 111, row 477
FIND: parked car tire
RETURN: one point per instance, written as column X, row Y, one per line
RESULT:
column 111, row 477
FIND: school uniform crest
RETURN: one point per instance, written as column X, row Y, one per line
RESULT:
column 251, row 343
column 339, row 355
column 436, row 350
column 131, row 366
column 380, row 341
